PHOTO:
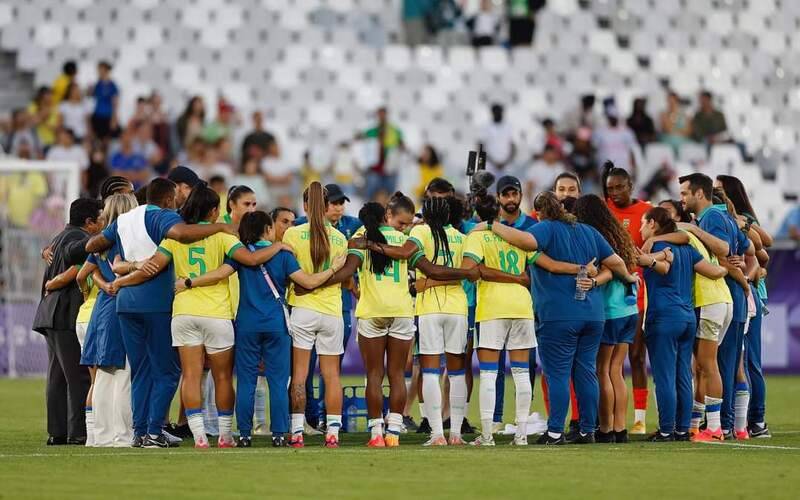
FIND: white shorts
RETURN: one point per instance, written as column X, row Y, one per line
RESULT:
column 312, row 328
column 80, row 330
column 399, row 328
column 215, row 334
column 440, row 333
column 714, row 321
column 510, row 334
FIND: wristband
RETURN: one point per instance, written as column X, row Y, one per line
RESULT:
column 188, row 283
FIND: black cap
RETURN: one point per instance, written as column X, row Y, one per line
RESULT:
column 335, row 193
column 183, row 175
column 508, row 182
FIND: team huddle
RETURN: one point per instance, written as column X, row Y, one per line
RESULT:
column 182, row 292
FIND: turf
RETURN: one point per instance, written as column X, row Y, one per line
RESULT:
column 762, row 469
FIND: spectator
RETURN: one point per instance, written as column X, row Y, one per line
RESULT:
column 582, row 116
column 496, row 138
column 22, row 136
column 551, row 136
column 222, row 127
column 542, row 174
column 194, row 154
column 75, row 112
column 344, row 167
column 61, row 84
column 281, row 175
column 106, row 102
column 521, row 21
column 214, row 162
column 97, row 171
column 790, row 228
column 485, row 25
column 144, row 144
column 415, row 27
column 21, row 192
column 675, row 125
column 66, row 149
column 191, row 122
column 308, row 172
column 429, row 168
column 445, row 22
column 141, row 112
column 389, row 138
column 641, row 123
column 615, row 142
column 128, row 163
column 251, row 176
column 708, row 124
column 258, row 141
column 582, row 158
column 44, row 115
column 161, row 131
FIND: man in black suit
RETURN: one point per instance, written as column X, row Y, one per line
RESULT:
column 67, row 381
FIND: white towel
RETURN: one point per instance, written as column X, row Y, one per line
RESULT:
column 136, row 243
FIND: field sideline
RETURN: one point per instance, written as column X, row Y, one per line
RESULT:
column 765, row 469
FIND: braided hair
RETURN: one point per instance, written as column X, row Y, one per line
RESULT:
column 436, row 213
column 609, row 170
column 373, row 216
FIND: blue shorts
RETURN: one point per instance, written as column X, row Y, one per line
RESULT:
column 471, row 322
column 620, row 330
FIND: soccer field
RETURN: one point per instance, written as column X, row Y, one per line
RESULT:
column 763, row 469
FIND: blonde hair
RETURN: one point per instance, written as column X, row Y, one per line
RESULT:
column 116, row 205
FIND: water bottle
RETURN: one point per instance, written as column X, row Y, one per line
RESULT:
column 352, row 418
column 580, row 294
column 632, row 292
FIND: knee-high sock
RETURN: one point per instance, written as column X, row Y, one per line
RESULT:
column 698, row 410
column 89, row 426
column 487, row 396
column 523, row 392
column 712, row 406
column 458, row 400
column 194, row 417
column 210, row 415
column 260, row 402
column 433, row 399
column 741, row 404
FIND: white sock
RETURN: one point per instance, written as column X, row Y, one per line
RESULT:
column 523, row 392
column 395, row 423
column 458, row 400
column 639, row 415
column 260, row 415
column 375, row 426
column 466, row 406
column 408, row 378
column 89, row 426
column 698, row 410
column 297, row 423
column 740, row 406
column 487, row 397
column 225, row 425
column 196, row 425
column 210, row 405
column 334, row 423
column 421, row 406
column 712, row 407
column 433, row 400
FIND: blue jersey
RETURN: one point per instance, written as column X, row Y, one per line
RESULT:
column 554, row 294
column 104, row 93
column 720, row 224
column 155, row 295
column 259, row 311
column 670, row 297
column 103, row 345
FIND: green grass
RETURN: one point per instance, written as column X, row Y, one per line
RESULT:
column 754, row 469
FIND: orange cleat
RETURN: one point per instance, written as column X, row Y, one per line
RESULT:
column 226, row 444
column 693, row 431
column 392, row 440
column 201, row 445
column 377, row 442
column 456, row 441
column 436, row 441
column 331, row 441
column 708, row 436
column 296, row 441
column 741, row 435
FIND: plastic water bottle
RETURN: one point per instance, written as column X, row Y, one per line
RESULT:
column 580, row 294
column 632, row 293
column 352, row 419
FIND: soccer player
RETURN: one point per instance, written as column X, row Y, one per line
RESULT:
column 618, row 193
column 144, row 309
column 316, row 316
column 671, row 326
column 567, row 185
column 620, row 324
column 261, row 329
column 185, row 180
column 696, row 196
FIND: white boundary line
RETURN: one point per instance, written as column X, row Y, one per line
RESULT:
column 757, row 446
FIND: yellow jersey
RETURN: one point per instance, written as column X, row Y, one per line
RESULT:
column 384, row 295
column 500, row 300
column 194, row 259
column 706, row 290
column 85, row 312
column 327, row 300
column 449, row 299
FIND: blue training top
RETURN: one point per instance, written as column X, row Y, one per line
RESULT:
column 670, row 296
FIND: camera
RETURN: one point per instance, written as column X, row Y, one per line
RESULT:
column 479, row 179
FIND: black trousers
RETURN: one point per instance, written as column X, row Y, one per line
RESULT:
column 67, row 385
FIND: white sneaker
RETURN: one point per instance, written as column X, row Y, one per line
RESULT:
column 482, row 441
column 310, row 431
column 536, row 424
column 261, row 430
column 519, row 441
column 497, row 427
column 436, row 441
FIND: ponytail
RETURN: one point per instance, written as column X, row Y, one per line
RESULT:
column 609, row 170
column 200, row 203
column 373, row 215
column 253, row 226
column 317, row 201
column 548, row 207
column 400, row 203
column 662, row 218
column 436, row 213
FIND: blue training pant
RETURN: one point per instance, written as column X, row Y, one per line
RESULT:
column 315, row 406
column 155, row 369
column 275, row 349
column 758, row 388
column 728, row 361
column 568, row 348
column 500, row 384
column 669, row 347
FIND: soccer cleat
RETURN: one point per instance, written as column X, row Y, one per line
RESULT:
column 707, row 436
column 159, row 441
column 137, row 441
column 547, row 440
column 658, row 437
column 605, row 437
column 376, row 442
column 244, row 442
column 56, row 441
column 519, row 441
column 409, row 424
column 446, row 424
column 222, row 443
column 741, row 435
column 682, row 436
column 424, row 427
column 79, row 441
column 466, row 427
column 391, row 440
column 456, row 441
column 179, row 430
column 296, row 441
column 331, row 441
column 638, row 428
column 581, row 438
column 173, row 441
column 279, row 441
column 621, row 436
column 310, row 431
column 436, row 441
column 201, row 445
column 759, row 432
column 693, row 431
column 483, row 441
column 727, row 433
column 260, row 430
